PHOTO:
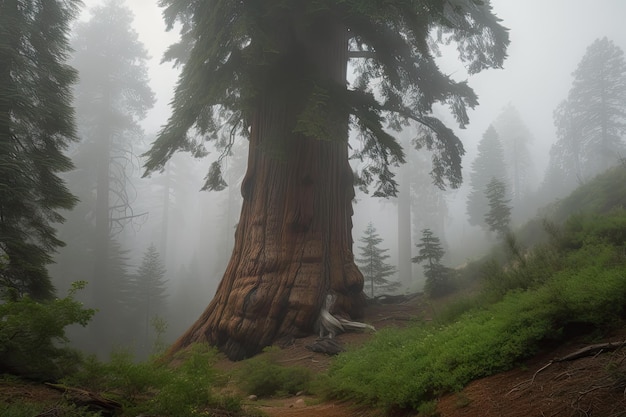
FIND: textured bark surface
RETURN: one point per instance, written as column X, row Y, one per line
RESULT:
column 293, row 243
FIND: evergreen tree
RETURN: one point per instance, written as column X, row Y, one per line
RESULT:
column 147, row 291
column 515, row 138
column 111, row 98
column 591, row 122
column 36, row 126
column 372, row 263
column 276, row 72
column 489, row 163
column 498, row 217
column 438, row 277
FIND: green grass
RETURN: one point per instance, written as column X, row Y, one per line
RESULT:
column 580, row 278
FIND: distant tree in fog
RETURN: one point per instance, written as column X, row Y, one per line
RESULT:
column 489, row 163
column 591, row 122
column 147, row 291
column 515, row 138
column 36, row 126
column 498, row 217
column 372, row 263
column 438, row 277
column 111, row 98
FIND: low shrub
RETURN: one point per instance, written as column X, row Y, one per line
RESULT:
column 32, row 336
column 264, row 377
column 526, row 305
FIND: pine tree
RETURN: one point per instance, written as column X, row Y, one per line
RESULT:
column 591, row 122
column 498, row 217
column 276, row 72
column 515, row 138
column 438, row 277
column 36, row 126
column 111, row 98
column 373, row 263
column 147, row 291
column 489, row 163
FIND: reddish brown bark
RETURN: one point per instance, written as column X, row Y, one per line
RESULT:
column 293, row 243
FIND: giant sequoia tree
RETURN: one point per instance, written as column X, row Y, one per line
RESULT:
column 36, row 126
column 276, row 72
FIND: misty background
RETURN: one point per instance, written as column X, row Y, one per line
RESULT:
column 168, row 243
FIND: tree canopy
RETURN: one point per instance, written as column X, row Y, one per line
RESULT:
column 36, row 126
column 233, row 53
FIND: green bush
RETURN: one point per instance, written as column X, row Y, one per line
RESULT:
column 32, row 336
column 554, row 287
column 154, row 387
column 264, row 377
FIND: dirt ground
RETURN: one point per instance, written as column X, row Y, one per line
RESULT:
column 589, row 386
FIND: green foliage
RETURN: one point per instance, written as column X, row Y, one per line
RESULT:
column 489, row 163
column 499, row 215
column 438, row 277
column 36, row 127
column 154, row 387
column 372, row 263
column 264, row 377
column 237, row 56
column 28, row 409
column 32, row 335
column 557, row 287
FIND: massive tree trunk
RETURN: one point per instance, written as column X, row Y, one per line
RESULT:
column 293, row 243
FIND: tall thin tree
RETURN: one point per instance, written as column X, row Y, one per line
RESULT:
column 36, row 126
column 112, row 96
column 591, row 122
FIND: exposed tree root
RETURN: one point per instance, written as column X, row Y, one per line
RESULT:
column 590, row 350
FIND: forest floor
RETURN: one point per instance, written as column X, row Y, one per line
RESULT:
column 589, row 386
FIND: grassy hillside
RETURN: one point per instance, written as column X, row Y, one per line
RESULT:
column 576, row 279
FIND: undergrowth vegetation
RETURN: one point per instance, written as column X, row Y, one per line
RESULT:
column 188, row 389
column 530, row 300
column 264, row 376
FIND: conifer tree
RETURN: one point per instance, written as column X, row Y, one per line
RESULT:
column 276, row 72
column 147, row 291
column 36, row 126
column 372, row 263
column 489, row 163
column 111, row 98
column 498, row 217
column 515, row 138
column 438, row 277
column 591, row 121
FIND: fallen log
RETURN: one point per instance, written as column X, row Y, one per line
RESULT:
column 85, row 398
column 591, row 350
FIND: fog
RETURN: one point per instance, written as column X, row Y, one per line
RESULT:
column 548, row 40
